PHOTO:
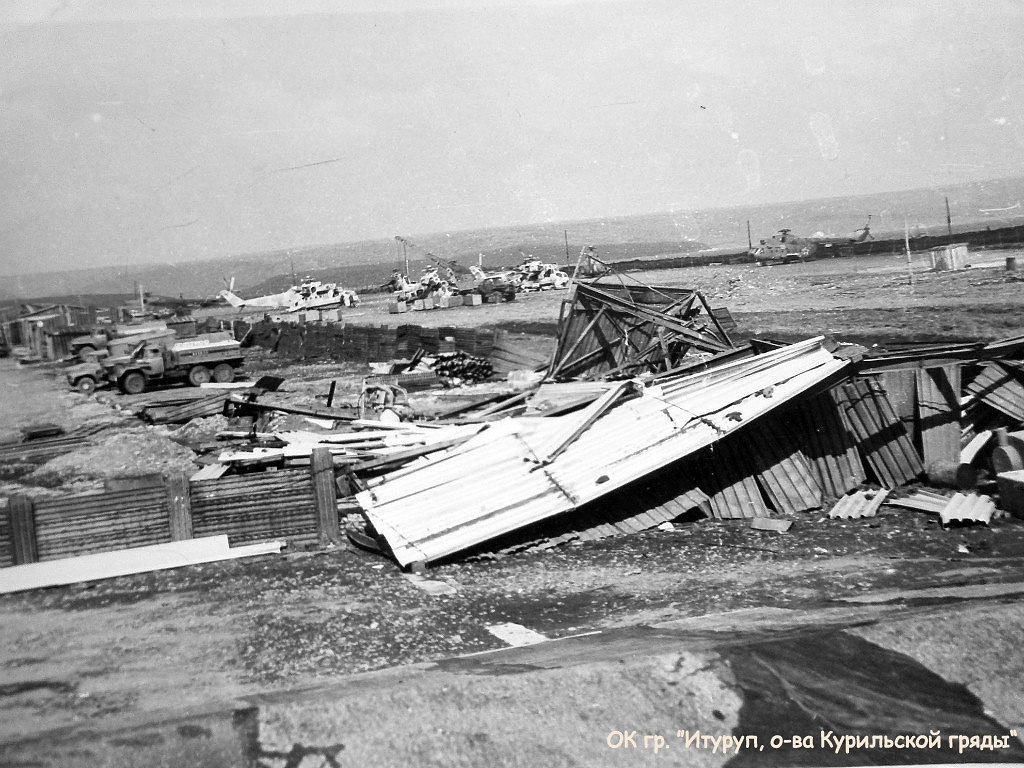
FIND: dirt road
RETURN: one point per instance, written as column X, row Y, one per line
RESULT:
column 822, row 685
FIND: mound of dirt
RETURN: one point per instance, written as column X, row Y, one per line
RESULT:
column 117, row 453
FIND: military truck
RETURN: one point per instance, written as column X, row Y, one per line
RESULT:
column 207, row 357
column 85, row 346
column 90, row 374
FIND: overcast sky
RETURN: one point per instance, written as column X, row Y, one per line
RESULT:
column 142, row 131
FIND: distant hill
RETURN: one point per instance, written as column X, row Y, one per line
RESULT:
column 994, row 203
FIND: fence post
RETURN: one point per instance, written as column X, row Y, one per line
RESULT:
column 21, row 522
column 179, row 506
column 325, row 495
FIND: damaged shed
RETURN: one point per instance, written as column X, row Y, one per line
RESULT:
column 626, row 330
column 526, row 469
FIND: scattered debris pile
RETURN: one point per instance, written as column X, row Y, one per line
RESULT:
column 644, row 412
column 751, row 432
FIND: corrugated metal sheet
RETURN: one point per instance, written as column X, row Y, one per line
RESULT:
column 254, row 507
column 629, row 510
column 1001, row 390
column 938, row 412
column 923, row 501
column 968, row 507
column 879, row 432
column 826, row 443
column 733, row 493
column 861, row 503
column 783, row 471
column 495, row 483
column 6, row 546
column 83, row 523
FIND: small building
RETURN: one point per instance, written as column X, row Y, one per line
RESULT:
column 949, row 257
column 43, row 331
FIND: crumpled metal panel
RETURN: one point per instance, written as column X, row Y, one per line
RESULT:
column 1000, row 389
column 825, row 441
column 968, row 507
column 864, row 502
column 496, row 483
column 781, row 468
column 880, row 434
column 922, row 500
column 733, row 491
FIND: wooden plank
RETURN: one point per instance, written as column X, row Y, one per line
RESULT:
column 901, row 388
column 325, row 496
column 133, row 482
column 210, row 472
column 106, row 565
column 401, row 457
column 938, row 413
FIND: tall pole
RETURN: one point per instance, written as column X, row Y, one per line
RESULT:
column 949, row 221
column 566, row 233
column 910, row 262
column 750, row 242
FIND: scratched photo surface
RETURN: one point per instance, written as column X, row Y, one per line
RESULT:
column 554, row 382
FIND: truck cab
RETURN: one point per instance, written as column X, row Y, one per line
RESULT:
column 95, row 370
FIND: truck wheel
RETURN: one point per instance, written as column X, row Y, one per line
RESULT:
column 133, row 383
column 199, row 375
column 85, row 350
column 86, row 385
column 223, row 373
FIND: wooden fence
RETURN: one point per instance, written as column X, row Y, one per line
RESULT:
column 366, row 343
column 299, row 506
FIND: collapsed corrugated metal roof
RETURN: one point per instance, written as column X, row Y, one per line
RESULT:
column 523, row 470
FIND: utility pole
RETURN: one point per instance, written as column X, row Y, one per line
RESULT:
column 910, row 261
column 750, row 242
column 949, row 221
column 405, row 253
column 566, row 232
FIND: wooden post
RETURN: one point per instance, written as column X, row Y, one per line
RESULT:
column 21, row 522
column 179, row 506
column 330, row 394
column 325, row 495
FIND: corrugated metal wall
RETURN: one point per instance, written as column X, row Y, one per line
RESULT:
column 6, row 555
column 364, row 343
column 83, row 523
column 256, row 507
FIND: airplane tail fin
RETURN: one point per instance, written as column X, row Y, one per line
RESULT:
column 231, row 298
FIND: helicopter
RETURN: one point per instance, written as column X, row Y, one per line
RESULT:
column 786, row 248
